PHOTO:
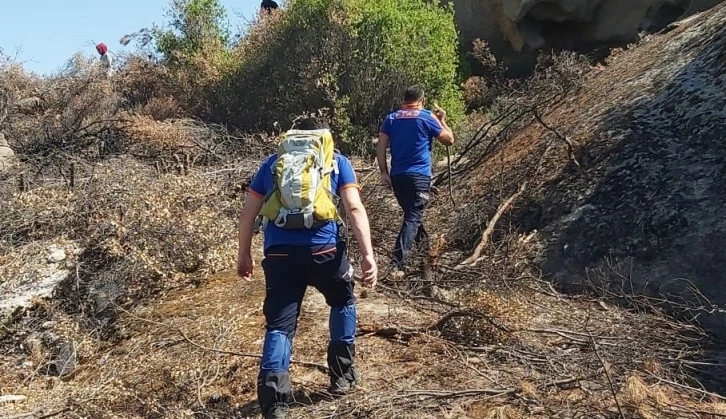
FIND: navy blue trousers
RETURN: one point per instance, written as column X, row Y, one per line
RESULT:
column 289, row 270
column 412, row 192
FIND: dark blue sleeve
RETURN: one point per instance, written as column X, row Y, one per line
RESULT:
column 346, row 175
column 259, row 185
column 433, row 125
column 386, row 127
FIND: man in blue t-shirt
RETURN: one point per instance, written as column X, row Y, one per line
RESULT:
column 410, row 132
column 295, row 259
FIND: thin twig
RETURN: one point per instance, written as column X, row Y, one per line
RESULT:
column 685, row 387
column 703, row 412
column 570, row 146
column 607, row 375
column 475, row 257
column 37, row 412
column 12, row 398
column 321, row 367
column 562, row 382
column 56, row 413
column 405, row 332
column 448, row 167
column 461, row 393
column 569, row 332
column 439, row 325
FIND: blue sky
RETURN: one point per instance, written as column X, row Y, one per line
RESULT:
column 49, row 32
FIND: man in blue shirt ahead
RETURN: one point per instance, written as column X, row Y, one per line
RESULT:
column 410, row 132
column 294, row 259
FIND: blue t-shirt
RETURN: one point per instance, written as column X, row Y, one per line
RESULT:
column 411, row 132
column 263, row 183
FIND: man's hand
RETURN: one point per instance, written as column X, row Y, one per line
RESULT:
column 245, row 266
column 439, row 113
column 386, row 180
column 447, row 135
column 370, row 271
column 358, row 218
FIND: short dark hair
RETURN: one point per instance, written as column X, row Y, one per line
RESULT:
column 269, row 5
column 312, row 123
column 413, row 94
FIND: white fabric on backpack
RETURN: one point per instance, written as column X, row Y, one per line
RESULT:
column 305, row 160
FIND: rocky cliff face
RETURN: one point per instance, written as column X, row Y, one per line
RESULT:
column 643, row 214
column 514, row 27
column 647, row 207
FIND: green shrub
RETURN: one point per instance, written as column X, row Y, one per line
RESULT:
column 195, row 47
column 286, row 65
column 194, row 24
column 351, row 57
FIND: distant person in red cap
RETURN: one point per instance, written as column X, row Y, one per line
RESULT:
column 105, row 57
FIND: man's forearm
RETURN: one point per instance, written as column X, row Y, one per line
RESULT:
column 246, row 228
column 449, row 130
column 447, row 135
column 361, row 230
column 381, row 155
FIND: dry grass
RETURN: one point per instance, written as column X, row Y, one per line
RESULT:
column 523, row 334
column 75, row 112
column 503, row 314
column 223, row 314
column 142, row 81
column 636, row 390
column 503, row 412
column 162, row 108
column 139, row 233
column 15, row 80
column 150, row 369
column 160, row 137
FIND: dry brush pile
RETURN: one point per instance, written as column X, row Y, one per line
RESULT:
column 136, row 203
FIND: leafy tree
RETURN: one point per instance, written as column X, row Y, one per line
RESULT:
column 353, row 57
column 399, row 43
column 194, row 44
column 193, row 26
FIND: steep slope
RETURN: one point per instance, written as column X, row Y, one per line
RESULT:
column 645, row 208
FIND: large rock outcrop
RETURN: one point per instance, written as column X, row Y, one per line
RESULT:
column 514, row 28
column 646, row 209
column 641, row 215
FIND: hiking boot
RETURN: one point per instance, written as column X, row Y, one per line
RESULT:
column 343, row 385
column 428, row 272
column 277, row 411
column 401, row 271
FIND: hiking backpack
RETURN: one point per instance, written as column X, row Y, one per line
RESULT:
column 302, row 196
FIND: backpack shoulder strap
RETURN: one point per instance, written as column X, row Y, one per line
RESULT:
column 273, row 161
